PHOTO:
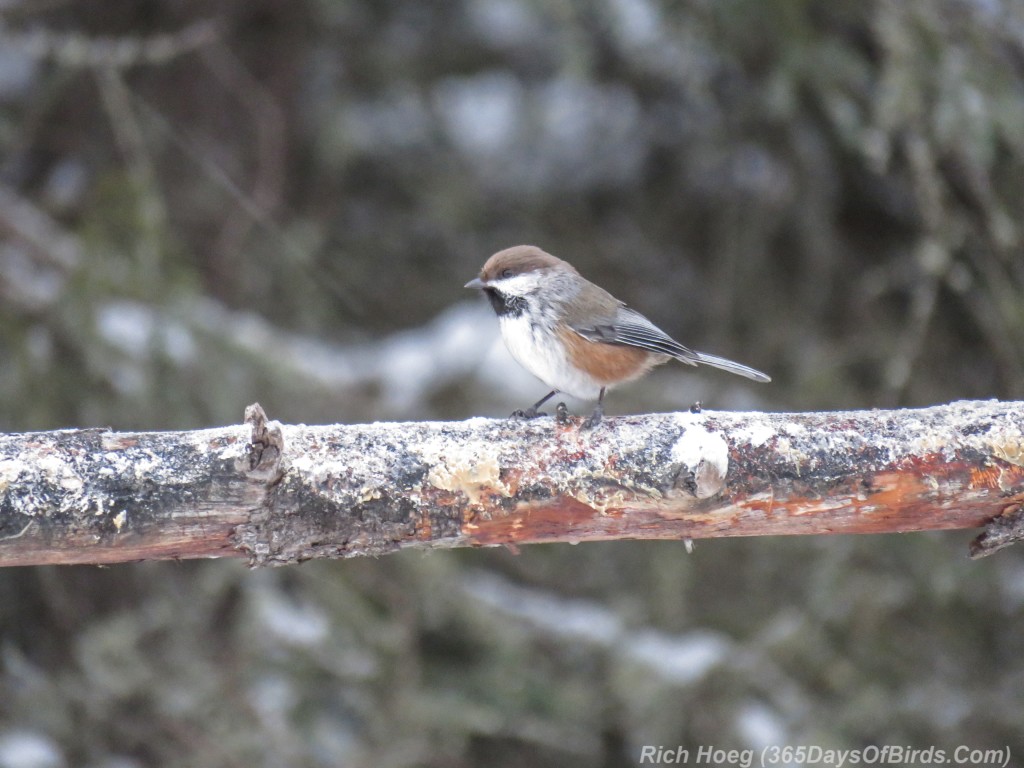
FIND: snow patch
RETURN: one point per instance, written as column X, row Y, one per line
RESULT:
column 756, row 434
column 760, row 727
column 681, row 659
column 705, row 453
column 29, row 749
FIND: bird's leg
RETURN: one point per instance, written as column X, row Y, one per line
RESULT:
column 595, row 417
column 532, row 412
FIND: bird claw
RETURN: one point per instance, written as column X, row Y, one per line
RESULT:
column 593, row 419
column 526, row 415
column 561, row 413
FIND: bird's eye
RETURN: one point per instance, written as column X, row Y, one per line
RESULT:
column 507, row 273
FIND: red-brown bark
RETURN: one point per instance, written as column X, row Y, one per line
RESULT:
column 279, row 494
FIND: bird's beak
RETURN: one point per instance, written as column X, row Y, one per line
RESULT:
column 476, row 282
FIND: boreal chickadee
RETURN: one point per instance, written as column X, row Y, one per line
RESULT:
column 573, row 335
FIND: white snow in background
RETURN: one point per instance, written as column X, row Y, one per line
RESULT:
column 570, row 619
column 504, row 22
column 274, row 697
column 17, row 70
column 681, row 659
column 589, row 132
column 758, row 726
column 22, row 275
column 637, row 22
column 399, row 118
column 945, row 706
column 66, row 184
column 289, row 621
column 413, row 363
column 294, row 623
column 481, row 113
column 461, row 343
column 138, row 330
column 29, row 749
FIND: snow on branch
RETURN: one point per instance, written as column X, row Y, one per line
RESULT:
column 281, row 494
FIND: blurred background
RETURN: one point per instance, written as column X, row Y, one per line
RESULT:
column 207, row 204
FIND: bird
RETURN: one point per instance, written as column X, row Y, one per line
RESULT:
column 572, row 334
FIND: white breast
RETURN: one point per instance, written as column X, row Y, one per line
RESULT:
column 538, row 351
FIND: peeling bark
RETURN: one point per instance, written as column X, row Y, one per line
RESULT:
column 283, row 494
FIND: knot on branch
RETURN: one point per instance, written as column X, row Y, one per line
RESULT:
column 262, row 460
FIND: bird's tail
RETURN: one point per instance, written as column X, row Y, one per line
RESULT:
column 730, row 366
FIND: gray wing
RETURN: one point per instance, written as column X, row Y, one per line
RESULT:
column 631, row 329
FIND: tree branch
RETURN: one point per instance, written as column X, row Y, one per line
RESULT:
column 283, row 494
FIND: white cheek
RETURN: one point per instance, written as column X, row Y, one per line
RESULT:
column 519, row 285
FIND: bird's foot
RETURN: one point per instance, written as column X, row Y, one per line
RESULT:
column 526, row 415
column 561, row 414
column 594, row 419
